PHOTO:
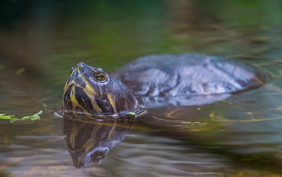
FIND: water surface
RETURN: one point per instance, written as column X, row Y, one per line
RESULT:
column 40, row 42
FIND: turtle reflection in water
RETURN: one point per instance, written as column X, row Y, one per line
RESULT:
column 89, row 142
column 155, row 81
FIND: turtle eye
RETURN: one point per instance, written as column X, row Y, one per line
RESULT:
column 100, row 76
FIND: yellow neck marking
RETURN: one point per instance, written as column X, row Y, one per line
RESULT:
column 112, row 102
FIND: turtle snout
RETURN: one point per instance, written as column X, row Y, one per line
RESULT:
column 76, row 77
column 80, row 65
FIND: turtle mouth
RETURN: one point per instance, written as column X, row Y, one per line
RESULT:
column 73, row 83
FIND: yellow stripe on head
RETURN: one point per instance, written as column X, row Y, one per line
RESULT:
column 74, row 101
column 88, row 87
column 94, row 104
column 112, row 102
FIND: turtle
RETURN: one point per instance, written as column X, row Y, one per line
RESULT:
column 160, row 80
column 167, row 82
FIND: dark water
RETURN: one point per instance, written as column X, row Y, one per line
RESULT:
column 40, row 42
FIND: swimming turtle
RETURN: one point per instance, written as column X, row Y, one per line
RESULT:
column 173, row 80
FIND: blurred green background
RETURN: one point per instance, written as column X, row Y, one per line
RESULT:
column 48, row 37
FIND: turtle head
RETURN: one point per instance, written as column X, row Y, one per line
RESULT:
column 91, row 90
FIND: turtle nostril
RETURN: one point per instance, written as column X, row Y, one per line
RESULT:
column 80, row 65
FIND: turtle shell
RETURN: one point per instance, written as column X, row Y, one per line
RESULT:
column 187, row 79
column 157, row 81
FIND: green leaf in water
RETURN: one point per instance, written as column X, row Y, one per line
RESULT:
column 132, row 113
column 13, row 118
